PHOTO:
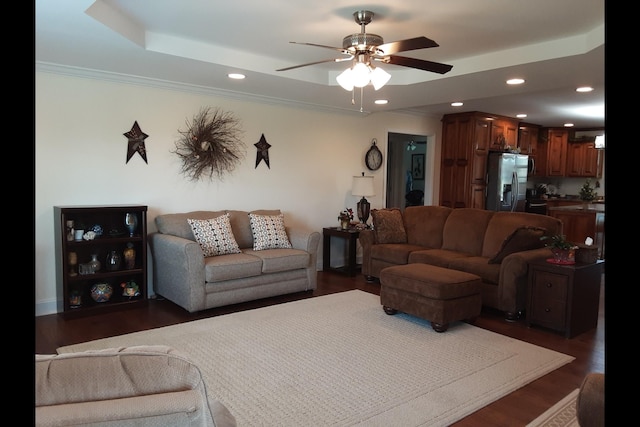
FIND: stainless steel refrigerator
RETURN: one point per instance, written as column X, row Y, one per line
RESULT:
column 506, row 182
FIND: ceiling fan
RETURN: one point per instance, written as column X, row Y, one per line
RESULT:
column 365, row 49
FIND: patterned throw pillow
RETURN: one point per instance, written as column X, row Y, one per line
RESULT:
column 522, row 239
column 214, row 235
column 389, row 226
column 269, row 232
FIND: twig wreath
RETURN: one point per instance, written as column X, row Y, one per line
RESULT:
column 210, row 145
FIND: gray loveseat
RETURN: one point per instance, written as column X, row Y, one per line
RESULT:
column 185, row 276
column 497, row 246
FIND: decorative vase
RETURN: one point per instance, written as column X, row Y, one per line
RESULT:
column 131, row 222
column 70, row 230
column 344, row 223
column 129, row 256
column 94, row 263
column 114, row 261
column 73, row 262
column 101, row 292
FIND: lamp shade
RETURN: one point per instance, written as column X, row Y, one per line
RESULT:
column 360, row 75
column 345, row 80
column 362, row 186
column 379, row 77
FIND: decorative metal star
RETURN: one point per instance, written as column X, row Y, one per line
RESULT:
column 263, row 151
column 136, row 142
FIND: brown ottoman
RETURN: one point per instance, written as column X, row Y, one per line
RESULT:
column 437, row 294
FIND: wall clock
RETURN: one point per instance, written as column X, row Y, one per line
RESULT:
column 373, row 158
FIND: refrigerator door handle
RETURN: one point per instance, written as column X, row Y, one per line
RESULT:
column 514, row 194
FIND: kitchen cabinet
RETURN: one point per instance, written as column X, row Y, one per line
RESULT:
column 581, row 221
column 583, row 160
column 466, row 141
column 121, row 256
column 528, row 135
column 504, row 131
column 556, row 152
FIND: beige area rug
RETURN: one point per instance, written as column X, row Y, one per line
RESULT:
column 339, row 360
column 562, row 414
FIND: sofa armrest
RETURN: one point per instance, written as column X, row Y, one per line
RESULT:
column 305, row 240
column 367, row 239
column 308, row 241
column 514, row 271
column 178, row 270
column 590, row 401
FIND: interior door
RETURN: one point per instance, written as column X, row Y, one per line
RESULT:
column 400, row 151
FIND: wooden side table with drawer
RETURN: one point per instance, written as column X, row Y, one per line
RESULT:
column 565, row 298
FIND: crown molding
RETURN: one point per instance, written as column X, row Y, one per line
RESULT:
column 67, row 70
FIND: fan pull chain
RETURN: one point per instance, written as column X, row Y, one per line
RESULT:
column 353, row 96
column 361, row 97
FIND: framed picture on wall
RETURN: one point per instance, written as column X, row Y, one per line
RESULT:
column 417, row 166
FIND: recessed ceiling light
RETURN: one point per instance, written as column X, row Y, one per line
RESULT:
column 521, row 116
column 568, row 125
column 515, row 81
column 236, row 76
column 380, row 101
column 584, row 89
column 457, row 104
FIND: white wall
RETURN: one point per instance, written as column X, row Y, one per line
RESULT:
column 80, row 155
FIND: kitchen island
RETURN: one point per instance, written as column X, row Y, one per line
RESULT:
column 581, row 221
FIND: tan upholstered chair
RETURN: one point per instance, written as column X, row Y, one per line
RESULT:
column 126, row 386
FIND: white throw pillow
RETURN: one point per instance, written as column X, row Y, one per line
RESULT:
column 214, row 235
column 269, row 232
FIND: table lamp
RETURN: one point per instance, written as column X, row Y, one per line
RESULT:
column 362, row 187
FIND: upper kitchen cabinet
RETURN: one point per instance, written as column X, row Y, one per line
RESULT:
column 504, row 131
column 583, row 158
column 552, row 158
column 528, row 143
column 466, row 141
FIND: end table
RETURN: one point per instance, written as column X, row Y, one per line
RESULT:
column 565, row 298
column 351, row 236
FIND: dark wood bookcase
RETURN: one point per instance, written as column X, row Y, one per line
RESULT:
column 74, row 289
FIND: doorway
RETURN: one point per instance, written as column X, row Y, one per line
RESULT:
column 407, row 170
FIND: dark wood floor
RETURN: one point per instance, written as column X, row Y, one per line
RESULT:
column 515, row 409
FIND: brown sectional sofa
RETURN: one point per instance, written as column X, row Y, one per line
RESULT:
column 497, row 246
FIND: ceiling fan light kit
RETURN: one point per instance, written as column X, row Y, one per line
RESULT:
column 363, row 49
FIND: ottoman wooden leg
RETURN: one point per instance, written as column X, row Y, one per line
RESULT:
column 439, row 327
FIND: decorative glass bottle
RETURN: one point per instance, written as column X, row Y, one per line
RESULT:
column 129, row 256
column 131, row 222
column 114, row 261
column 94, row 263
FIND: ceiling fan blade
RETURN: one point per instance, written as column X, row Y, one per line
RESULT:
column 420, row 64
column 339, row 49
column 314, row 63
column 408, row 44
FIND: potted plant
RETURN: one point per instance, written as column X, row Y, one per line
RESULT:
column 587, row 192
column 563, row 250
column 345, row 217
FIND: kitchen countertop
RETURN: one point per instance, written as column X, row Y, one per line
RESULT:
column 586, row 207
